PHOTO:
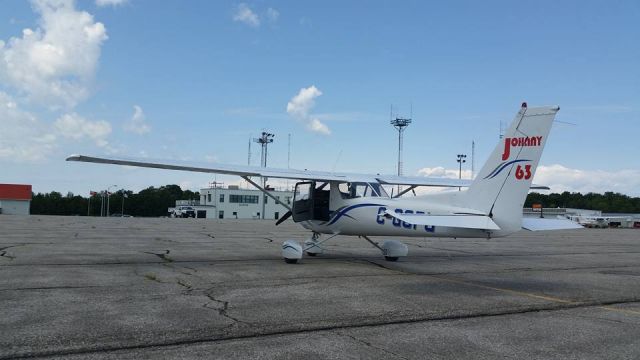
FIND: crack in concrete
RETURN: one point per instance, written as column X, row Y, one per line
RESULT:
column 296, row 329
column 57, row 287
column 164, row 256
column 222, row 309
column 5, row 254
column 388, row 352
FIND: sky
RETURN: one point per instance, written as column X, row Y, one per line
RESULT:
column 196, row 80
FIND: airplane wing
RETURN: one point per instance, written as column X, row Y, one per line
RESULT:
column 539, row 224
column 241, row 170
column 458, row 221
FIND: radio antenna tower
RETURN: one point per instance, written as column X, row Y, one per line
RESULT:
column 264, row 140
column 249, row 153
column 400, row 124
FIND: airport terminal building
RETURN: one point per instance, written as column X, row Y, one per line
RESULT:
column 232, row 202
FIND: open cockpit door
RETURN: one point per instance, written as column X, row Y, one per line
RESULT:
column 310, row 201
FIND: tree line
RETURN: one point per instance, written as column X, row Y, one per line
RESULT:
column 609, row 202
column 150, row 202
column 155, row 201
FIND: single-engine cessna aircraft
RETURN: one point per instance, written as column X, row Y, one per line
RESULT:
column 357, row 204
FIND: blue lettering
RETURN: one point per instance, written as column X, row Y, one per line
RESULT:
column 396, row 221
column 427, row 228
column 380, row 217
column 406, row 224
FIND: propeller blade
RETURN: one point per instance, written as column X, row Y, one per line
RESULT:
column 283, row 218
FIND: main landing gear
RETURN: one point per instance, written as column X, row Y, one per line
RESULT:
column 292, row 251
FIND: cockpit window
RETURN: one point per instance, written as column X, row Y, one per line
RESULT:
column 361, row 189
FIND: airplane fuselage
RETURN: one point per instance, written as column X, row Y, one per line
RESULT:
column 366, row 216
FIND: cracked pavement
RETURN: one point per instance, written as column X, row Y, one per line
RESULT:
column 76, row 287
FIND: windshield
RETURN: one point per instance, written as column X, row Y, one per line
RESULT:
column 361, row 189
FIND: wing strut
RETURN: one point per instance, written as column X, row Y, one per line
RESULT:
column 266, row 192
column 410, row 188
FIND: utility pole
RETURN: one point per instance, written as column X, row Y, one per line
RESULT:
column 473, row 156
column 400, row 124
column 264, row 140
column 108, row 200
column 461, row 160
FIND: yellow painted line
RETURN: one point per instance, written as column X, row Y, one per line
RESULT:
column 516, row 292
column 530, row 295
column 625, row 311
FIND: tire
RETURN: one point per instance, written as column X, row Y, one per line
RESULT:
column 391, row 258
column 290, row 261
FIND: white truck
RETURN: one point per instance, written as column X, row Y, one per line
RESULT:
column 182, row 212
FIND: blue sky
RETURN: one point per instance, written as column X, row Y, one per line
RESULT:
column 195, row 80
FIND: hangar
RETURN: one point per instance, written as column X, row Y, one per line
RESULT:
column 15, row 199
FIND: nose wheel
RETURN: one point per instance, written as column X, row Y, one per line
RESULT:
column 292, row 251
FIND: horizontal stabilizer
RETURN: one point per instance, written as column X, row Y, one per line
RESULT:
column 539, row 224
column 457, row 221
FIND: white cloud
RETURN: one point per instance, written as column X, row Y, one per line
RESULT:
column 441, row 172
column 54, row 64
column 316, row 126
column 137, row 124
column 560, row 178
column 300, row 105
column 245, row 15
column 103, row 3
column 22, row 136
column 76, row 127
column 272, row 15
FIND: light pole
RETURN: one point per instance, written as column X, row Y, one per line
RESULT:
column 108, row 196
column 461, row 160
column 400, row 124
column 124, row 196
column 264, row 140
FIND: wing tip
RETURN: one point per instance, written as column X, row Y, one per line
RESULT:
column 74, row 157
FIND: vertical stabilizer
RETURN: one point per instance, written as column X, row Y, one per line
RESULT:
column 501, row 187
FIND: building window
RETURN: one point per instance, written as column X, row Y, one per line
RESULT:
column 243, row 199
column 221, row 197
column 209, row 197
column 265, row 199
column 221, row 214
column 287, row 199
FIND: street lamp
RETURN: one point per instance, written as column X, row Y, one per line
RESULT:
column 108, row 196
column 461, row 160
column 124, row 196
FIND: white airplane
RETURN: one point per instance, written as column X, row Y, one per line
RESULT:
column 357, row 204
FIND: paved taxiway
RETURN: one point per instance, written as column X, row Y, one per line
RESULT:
column 188, row 288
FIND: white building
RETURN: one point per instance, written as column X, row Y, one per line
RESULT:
column 235, row 203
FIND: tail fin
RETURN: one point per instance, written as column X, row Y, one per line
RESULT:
column 501, row 187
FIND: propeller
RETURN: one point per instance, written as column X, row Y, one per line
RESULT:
column 283, row 218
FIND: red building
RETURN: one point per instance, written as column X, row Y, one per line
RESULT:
column 15, row 199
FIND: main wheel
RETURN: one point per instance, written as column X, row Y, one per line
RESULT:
column 290, row 261
column 391, row 258
column 311, row 254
